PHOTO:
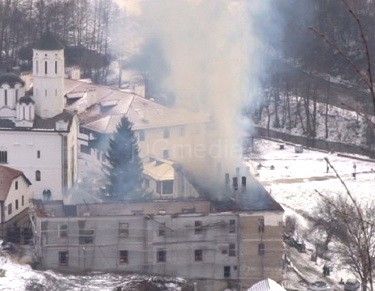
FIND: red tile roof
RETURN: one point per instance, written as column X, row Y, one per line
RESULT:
column 7, row 176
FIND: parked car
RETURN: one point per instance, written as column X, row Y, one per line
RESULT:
column 352, row 285
column 319, row 286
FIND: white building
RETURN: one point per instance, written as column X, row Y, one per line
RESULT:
column 37, row 135
column 15, row 193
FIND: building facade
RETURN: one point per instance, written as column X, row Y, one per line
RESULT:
column 191, row 239
column 37, row 135
column 15, row 193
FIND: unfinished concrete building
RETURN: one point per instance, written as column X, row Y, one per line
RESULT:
column 227, row 244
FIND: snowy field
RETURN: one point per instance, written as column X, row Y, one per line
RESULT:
column 292, row 178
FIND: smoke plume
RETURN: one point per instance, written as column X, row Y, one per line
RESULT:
column 213, row 58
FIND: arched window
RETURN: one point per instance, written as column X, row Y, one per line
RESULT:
column 6, row 97
column 56, row 67
column 38, row 175
column 37, row 67
column 16, row 95
column 45, row 67
column 23, row 112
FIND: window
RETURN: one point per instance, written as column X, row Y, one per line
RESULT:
column 47, row 194
column 3, row 157
column 141, row 135
column 16, row 204
column 37, row 67
column 63, row 258
column 85, row 149
column 45, row 68
column 55, row 67
column 161, row 256
column 166, row 133
column 198, row 255
column 261, row 224
column 86, row 236
column 123, row 229
column 38, row 154
column 182, row 131
column 232, row 226
column 162, row 229
column 167, row 187
column 198, row 228
column 158, row 187
column 63, row 231
column 16, row 95
column 226, row 271
column 6, row 97
column 123, row 256
column 261, row 249
column 165, row 154
column 23, row 200
column 232, row 250
column 16, row 185
column 147, row 183
column 9, row 208
column 38, row 176
column 137, row 212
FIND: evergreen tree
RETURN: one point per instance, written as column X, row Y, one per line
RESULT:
column 124, row 167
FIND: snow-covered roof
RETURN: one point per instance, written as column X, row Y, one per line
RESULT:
column 159, row 170
column 106, row 106
column 266, row 285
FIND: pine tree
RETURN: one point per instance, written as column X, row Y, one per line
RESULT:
column 124, row 167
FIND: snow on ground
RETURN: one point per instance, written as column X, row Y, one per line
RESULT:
column 293, row 179
column 19, row 277
column 344, row 126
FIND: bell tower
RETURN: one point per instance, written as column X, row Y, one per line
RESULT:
column 48, row 75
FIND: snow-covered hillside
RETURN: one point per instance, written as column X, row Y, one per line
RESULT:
column 296, row 117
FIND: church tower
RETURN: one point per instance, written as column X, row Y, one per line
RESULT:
column 48, row 75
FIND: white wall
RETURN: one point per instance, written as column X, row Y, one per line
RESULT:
column 72, row 156
column 23, row 190
column 51, row 83
column 22, row 147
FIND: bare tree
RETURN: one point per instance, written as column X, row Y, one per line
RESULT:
column 353, row 227
column 366, row 76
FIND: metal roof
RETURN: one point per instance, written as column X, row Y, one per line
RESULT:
column 11, row 79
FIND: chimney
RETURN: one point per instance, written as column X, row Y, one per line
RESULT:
column 227, row 180
column 243, row 183
column 235, row 183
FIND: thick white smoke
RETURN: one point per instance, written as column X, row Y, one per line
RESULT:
column 214, row 58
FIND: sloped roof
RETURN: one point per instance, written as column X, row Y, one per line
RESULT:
column 40, row 124
column 11, row 79
column 254, row 198
column 110, row 105
column 48, row 42
column 266, row 285
column 159, row 170
column 7, row 176
column 26, row 99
